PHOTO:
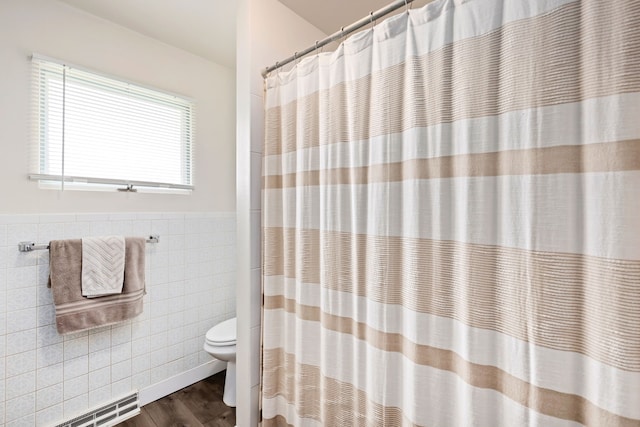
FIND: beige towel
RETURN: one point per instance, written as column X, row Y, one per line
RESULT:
column 102, row 266
column 76, row 313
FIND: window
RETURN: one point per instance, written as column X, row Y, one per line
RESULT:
column 94, row 129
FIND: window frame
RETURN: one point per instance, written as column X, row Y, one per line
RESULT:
column 41, row 146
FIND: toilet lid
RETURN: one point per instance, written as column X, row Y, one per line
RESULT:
column 223, row 333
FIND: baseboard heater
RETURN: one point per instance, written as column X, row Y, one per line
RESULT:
column 107, row 415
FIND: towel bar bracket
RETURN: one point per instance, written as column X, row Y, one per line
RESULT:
column 28, row 246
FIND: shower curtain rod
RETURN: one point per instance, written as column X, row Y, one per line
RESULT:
column 373, row 16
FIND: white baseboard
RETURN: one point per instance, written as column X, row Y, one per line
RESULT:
column 180, row 381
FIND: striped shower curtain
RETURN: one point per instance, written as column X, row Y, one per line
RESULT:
column 452, row 221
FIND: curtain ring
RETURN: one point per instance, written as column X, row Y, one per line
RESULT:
column 371, row 17
column 316, row 47
column 406, row 3
column 295, row 58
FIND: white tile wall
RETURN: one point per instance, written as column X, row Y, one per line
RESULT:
column 190, row 274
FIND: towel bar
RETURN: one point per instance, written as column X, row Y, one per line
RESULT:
column 32, row 246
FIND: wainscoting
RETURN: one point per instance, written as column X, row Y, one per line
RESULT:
column 46, row 378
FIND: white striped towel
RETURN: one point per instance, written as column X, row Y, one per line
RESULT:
column 102, row 266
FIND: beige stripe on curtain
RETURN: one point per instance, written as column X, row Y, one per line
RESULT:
column 603, row 157
column 419, row 276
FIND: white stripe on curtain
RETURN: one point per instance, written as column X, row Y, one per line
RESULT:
column 278, row 405
column 452, row 221
column 563, row 208
column 550, row 126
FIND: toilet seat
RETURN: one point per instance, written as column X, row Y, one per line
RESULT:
column 223, row 334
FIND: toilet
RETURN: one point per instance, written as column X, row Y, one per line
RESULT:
column 220, row 342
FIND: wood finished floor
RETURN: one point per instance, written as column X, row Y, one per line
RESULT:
column 199, row 405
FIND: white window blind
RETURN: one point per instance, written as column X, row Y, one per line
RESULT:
column 90, row 128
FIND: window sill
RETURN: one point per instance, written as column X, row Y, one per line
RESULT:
column 84, row 186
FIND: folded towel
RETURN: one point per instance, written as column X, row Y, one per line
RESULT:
column 76, row 313
column 102, row 266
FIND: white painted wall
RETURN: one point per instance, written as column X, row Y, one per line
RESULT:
column 267, row 32
column 58, row 30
